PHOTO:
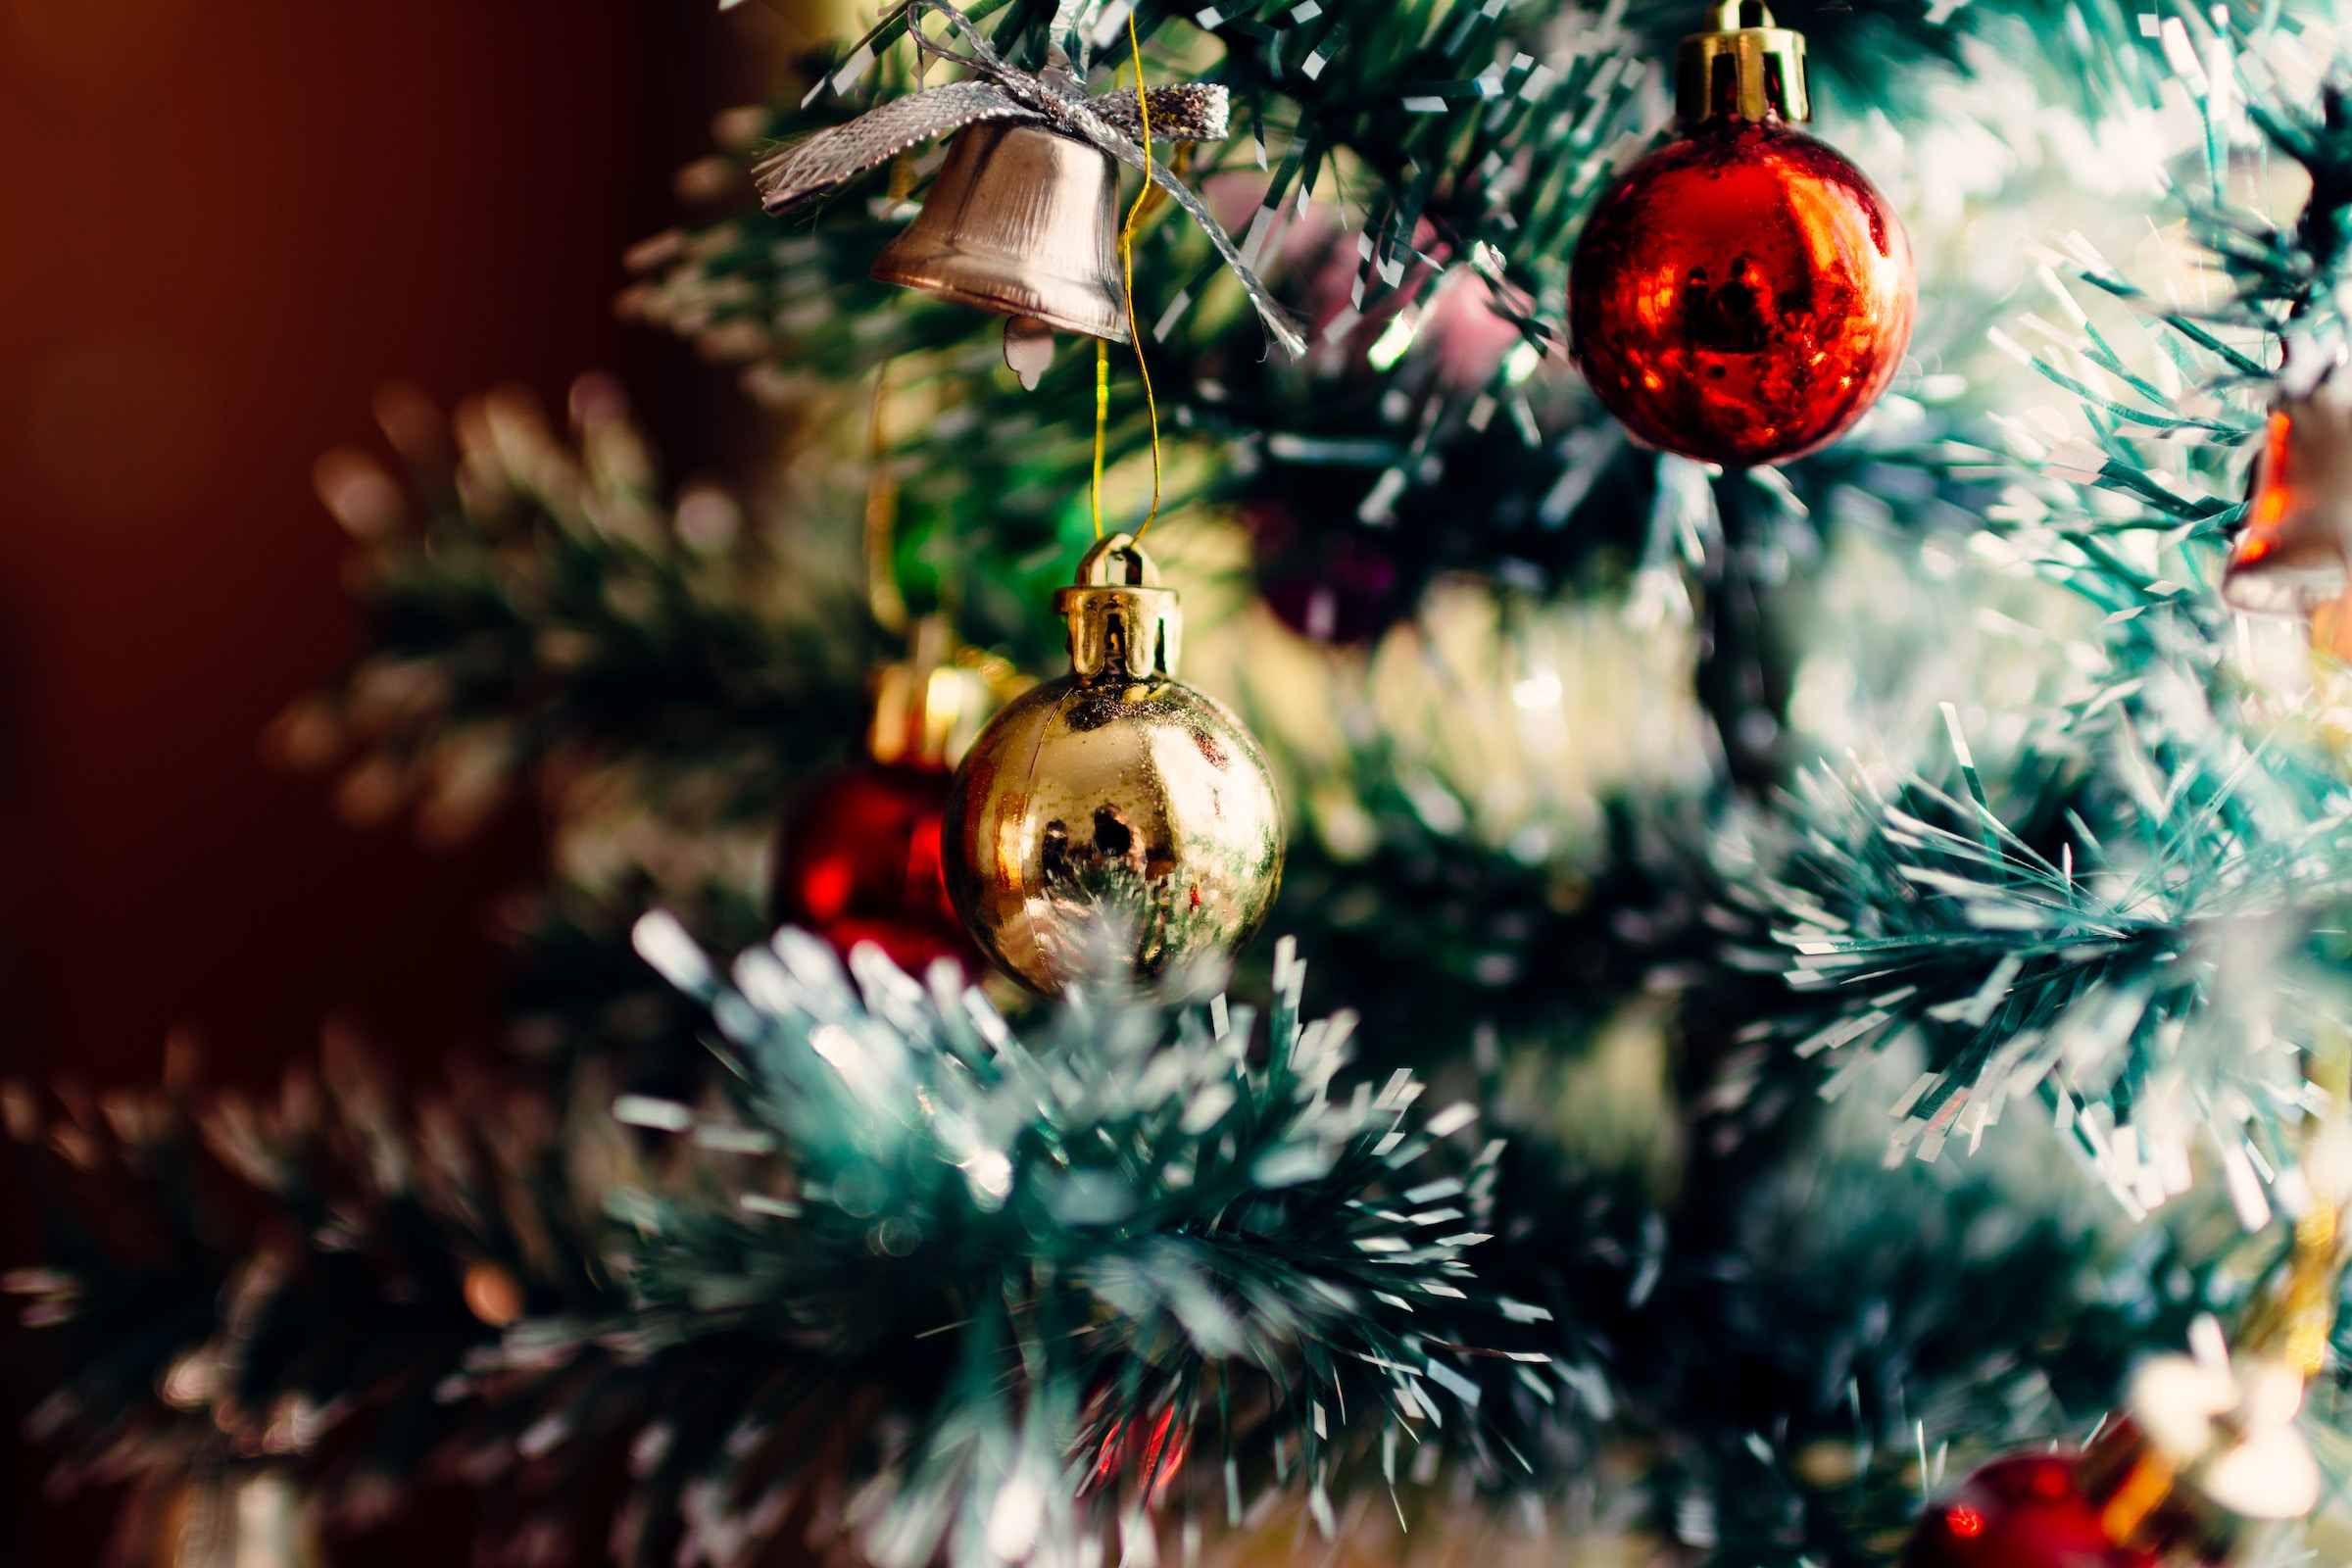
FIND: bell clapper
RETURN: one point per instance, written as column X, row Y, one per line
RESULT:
column 1028, row 349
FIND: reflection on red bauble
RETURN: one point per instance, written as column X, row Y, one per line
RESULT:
column 860, row 862
column 2026, row 1511
column 1742, row 295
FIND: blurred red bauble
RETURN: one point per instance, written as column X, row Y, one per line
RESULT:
column 1745, row 294
column 2025, row 1511
column 860, row 857
column 2201, row 1465
column 860, row 862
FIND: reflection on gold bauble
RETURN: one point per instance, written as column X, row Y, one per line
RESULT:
column 1114, row 824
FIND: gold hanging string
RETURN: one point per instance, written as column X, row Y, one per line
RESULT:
column 1134, row 335
column 903, row 173
column 1101, row 421
column 882, row 595
column 1143, row 204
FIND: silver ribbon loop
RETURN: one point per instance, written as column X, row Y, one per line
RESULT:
column 1186, row 112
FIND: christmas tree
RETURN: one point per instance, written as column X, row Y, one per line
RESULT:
column 1768, row 590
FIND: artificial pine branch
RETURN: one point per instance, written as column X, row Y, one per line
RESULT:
column 1095, row 1233
column 2179, row 844
column 537, row 609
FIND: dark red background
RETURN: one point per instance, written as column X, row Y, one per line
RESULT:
column 223, row 224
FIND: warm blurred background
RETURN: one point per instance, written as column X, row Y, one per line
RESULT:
column 227, row 224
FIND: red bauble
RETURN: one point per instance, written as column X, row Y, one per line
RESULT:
column 860, row 862
column 2024, row 1511
column 1742, row 296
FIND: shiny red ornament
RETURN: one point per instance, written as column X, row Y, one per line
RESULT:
column 1745, row 294
column 860, row 855
column 1139, row 1448
column 2024, row 1511
column 860, row 862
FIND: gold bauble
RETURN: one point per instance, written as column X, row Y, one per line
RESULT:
column 1115, row 823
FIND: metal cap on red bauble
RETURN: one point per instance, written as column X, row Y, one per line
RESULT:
column 928, row 705
column 1744, row 67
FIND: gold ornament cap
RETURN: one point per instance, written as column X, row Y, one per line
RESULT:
column 1123, row 624
column 929, row 704
column 1743, row 68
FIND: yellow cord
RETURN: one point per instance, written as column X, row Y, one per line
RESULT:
column 1134, row 213
column 1101, row 419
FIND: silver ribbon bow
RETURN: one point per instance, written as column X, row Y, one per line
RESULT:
column 1186, row 112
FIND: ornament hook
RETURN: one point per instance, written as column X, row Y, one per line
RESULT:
column 1123, row 624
